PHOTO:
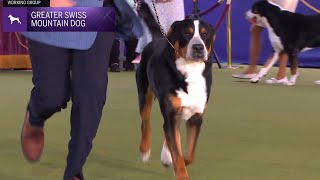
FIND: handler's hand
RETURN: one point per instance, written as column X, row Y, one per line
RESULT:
column 62, row 3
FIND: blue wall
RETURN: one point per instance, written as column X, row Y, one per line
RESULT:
column 240, row 32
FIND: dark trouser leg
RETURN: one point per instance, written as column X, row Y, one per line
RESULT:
column 114, row 55
column 89, row 85
column 51, row 79
column 131, row 53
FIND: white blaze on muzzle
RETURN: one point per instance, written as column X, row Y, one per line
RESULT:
column 196, row 39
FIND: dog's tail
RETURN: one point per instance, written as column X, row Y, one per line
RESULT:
column 146, row 14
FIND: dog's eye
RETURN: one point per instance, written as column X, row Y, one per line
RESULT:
column 187, row 34
column 204, row 34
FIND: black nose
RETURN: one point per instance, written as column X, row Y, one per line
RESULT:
column 198, row 48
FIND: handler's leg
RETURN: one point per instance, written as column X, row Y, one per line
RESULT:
column 89, row 86
column 51, row 79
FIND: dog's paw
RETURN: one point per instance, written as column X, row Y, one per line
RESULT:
column 292, row 80
column 255, row 79
column 166, row 158
column 290, row 83
column 145, row 156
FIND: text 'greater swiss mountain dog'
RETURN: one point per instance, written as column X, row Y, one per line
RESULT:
column 289, row 33
column 179, row 77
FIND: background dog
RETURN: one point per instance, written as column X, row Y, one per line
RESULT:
column 289, row 33
column 176, row 71
column 12, row 19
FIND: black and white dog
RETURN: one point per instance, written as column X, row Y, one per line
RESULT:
column 176, row 71
column 289, row 33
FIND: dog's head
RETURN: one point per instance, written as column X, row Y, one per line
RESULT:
column 9, row 16
column 192, row 39
column 260, row 11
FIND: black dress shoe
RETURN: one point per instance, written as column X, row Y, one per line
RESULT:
column 114, row 67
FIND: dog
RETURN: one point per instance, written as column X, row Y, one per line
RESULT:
column 176, row 71
column 13, row 19
column 289, row 33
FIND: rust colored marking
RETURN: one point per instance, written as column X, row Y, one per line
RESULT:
column 182, row 51
column 145, row 112
column 175, row 102
column 190, row 30
column 203, row 30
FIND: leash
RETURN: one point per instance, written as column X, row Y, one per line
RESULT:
column 161, row 28
column 137, row 4
column 19, row 41
column 310, row 6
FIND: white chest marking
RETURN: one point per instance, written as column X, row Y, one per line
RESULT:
column 195, row 100
column 275, row 40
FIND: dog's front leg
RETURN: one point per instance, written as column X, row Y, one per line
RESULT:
column 294, row 69
column 193, row 131
column 265, row 70
column 172, row 134
column 171, row 111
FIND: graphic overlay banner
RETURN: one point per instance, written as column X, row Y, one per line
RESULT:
column 26, row 3
column 58, row 19
column 14, row 19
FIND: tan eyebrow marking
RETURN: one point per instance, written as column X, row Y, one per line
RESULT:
column 203, row 30
column 190, row 30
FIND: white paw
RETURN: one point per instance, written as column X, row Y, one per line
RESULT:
column 255, row 79
column 290, row 83
column 145, row 156
column 166, row 158
column 293, row 79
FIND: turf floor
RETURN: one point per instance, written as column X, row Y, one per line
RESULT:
column 250, row 132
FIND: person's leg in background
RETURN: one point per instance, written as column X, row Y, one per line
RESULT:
column 130, row 54
column 114, row 64
column 89, row 86
column 281, row 77
column 142, row 42
column 254, row 52
column 50, row 94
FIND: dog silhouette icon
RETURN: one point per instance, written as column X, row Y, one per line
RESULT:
column 13, row 19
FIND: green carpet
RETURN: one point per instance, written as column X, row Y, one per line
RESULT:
column 250, row 132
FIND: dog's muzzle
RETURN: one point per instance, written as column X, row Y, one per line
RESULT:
column 254, row 18
column 250, row 16
column 198, row 51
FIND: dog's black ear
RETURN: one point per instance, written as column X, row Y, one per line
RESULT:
column 173, row 33
column 212, row 38
column 212, row 34
column 212, row 31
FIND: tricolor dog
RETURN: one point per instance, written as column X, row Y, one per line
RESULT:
column 289, row 33
column 13, row 19
column 179, row 76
